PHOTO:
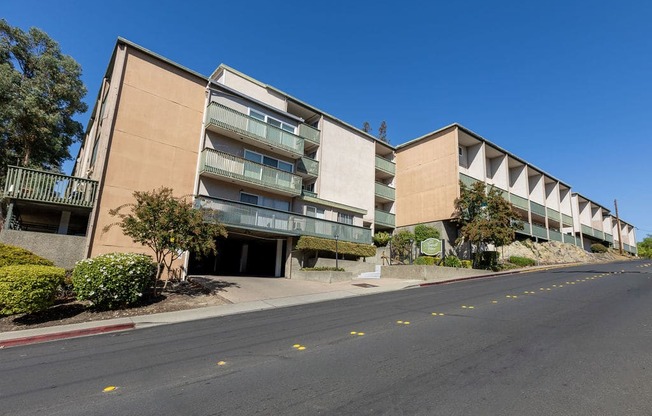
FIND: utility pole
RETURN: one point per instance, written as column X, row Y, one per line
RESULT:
column 620, row 238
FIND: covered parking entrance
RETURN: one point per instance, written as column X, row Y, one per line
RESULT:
column 244, row 255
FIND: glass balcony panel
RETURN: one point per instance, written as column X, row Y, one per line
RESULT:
column 539, row 231
column 555, row 235
column 538, row 209
column 467, row 180
column 519, row 202
column 384, row 218
column 385, row 165
column 308, row 166
column 567, row 220
column 385, row 192
column 309, row 133
column 239, row 215
column 569, row 239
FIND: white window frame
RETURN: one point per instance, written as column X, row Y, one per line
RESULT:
column 272, row 121
column 262, row 161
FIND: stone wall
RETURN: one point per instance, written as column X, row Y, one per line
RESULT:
column 63, row 250
column 419, row 272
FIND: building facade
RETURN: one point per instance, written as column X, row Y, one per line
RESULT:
column 430, row 169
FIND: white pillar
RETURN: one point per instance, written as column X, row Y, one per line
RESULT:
column 63, row 222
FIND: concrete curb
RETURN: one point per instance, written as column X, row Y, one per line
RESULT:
column 65, row 334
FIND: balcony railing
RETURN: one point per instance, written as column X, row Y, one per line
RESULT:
column 385, row 192
column 553, row 215
column 467, row 180
column 608, row 237
column 586, row 230
column 309, row 133
column 52, row 188
column 519, row 201
column 252, row 217
column 308, row 166
column 569, row 238
column 385, row 165
column 384, row 218
column 538, row 209
column 246, row 171
column 229, row 119
column 555, row 235
column 539, row 231
column 567, row 220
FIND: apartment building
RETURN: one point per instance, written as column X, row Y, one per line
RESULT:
column 273, row 167
column 430, row 168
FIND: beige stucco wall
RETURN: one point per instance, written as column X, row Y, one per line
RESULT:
column 154, row 140
column 427, row 179
column 346, row 167
column 252, row 89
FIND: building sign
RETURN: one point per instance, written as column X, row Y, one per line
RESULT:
column 431, row 247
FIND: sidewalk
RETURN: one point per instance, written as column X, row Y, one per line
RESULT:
column 247, row 294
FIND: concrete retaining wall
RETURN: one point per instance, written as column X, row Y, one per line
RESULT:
column 419, row 272
column 63, row 250
column 322, row 276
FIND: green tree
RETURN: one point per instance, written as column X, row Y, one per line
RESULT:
column 402, row 242
column 423, row 232
column 169, row 226
column 645, row 247
column 382, row 132
column 484, row 217
column 366, row 127
column 40, row 92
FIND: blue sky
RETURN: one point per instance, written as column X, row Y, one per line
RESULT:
column 566, row 85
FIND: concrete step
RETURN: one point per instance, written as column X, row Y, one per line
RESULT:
column 371, row 275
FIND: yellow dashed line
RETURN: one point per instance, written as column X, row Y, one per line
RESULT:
column 221, row 363
column 108, row 389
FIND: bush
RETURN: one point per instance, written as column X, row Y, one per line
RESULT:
column 488, row 260
column 425, row 260
column 423, row 232
column 28, row 288
column 467, row 264
column 598, row 248
column 522, row 261
column 14, row 256
column 381, row 239
column 343, row 247
column 322, row 269
column 452, row 261
column 113, row 280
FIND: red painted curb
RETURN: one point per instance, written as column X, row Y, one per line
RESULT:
column 62, row 335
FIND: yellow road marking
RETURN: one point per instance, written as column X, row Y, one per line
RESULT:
column 109, row 389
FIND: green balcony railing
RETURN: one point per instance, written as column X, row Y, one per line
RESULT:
column 384, row 218
column 309, row 133
column 253, row 217
column 586, row 230
column 385, row 192
column 519, row 201
column 467, row 180
column 554, row 235
column 305, row 192
column 538, row 209
column 569, row 238
column 308, row 166
column 229, row 119
column 234, row 167
column 567, row 220
column 553, row 215
column 598, row 234
column 385, row 165
column 608, row 237
column 526, row 228
column 539, row 231
column 53, row 188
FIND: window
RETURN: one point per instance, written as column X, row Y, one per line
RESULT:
column 314, row 212
column 269, row 161
column 248, row 198
column 308, row 187
column 271, row 121
column 264, row 201
column 459, row 150
column 345, row 218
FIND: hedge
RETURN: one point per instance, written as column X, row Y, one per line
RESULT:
column 425, row 260
column 343, row 247
column 598, row 248
column 14, row 256
column 28, row 288
column 522, row 261
column 113, row 280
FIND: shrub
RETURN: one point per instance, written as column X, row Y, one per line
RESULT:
column 343, row 247
column 113, row 280
column 425, row 260
column 467, row 264
column 28, row 288
column 598, row 248
column 381, row 239
column 402, row 245
column 14, row 256
column 322, row 269
column 423, row 232
column 489, row 260
column 522, row 261
column 452, row 261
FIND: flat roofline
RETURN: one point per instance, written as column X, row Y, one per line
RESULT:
column 224, row 67
column 482, row 139
column 579, row 195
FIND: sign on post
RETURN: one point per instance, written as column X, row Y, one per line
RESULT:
column 431, row 247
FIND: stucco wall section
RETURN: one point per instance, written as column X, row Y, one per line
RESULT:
column 253, row 90
column 63, row 250
column 427, row 180
column 346, row 168
column 154, row 141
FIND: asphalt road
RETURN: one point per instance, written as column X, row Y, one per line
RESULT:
column 575, row 341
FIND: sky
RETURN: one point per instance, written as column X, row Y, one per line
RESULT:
column 565, row 85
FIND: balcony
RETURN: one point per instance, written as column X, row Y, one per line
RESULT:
column 569, row 238
column 608, row 238
column 539, row 231
column 385, row 193
column 309, row 133
column 526, row 228
column 384, row 219
column 554, row 215
column 253, row 217
column 555, row 235
column 384, row 167
column 467, row 180
column 245, row 172
column 51, row 188
column 235, row 124
column 537, row 209
column 307, row 167
column 519, row 201
column 567, row 220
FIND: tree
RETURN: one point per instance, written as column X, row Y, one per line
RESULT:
column 484, row 217
column 382, row 132
column 423, row 232
column 402, row 245
column 366, row 127
column 169, row 226
column 645, row 247
column 40, row 92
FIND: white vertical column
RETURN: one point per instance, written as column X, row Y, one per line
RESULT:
column 64, row 222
